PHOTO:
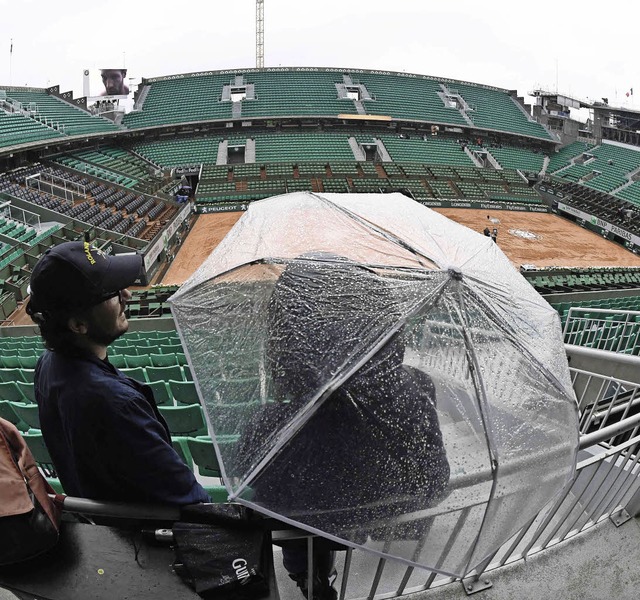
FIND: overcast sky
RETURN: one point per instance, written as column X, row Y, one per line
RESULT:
column 590, row 50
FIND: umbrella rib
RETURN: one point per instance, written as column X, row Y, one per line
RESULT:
column 508, row 333
column 482, row 405
column 383, row 232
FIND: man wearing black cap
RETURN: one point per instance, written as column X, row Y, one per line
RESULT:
column 103, row 429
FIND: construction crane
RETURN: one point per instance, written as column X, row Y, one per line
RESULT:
column 259, row 34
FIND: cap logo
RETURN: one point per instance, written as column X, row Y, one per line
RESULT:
column 87, row 250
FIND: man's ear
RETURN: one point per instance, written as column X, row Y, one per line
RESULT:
column 77, row 325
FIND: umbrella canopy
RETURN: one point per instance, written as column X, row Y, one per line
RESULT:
column 376, row 373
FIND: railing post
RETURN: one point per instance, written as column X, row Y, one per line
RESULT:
column 633, row 506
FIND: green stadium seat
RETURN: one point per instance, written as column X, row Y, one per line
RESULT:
column 28, row 413
column 170, row 348
column 27, row 389
column 28, row 362
column 10, row 360
column 10, row 391
column 26, row 375
column 164, row 373
column 7, row 413
column 204, row 456
column 8, row 375
column 163, row 360
column 161, row 393
column 179, row 444
column 184, row 392
column 43, row 459
column 133, row 361
column 118, row 360
column 184, row 420
column 137, row 373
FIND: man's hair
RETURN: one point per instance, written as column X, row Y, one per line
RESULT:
column 54, row 329
column 103, row 71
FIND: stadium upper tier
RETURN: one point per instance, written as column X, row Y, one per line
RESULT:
column 609, row 167
column 56, row 117
column 316, row 92
column 16, row 128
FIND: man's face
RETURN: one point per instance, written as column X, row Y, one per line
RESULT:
column 106, row 321
column 113, row 82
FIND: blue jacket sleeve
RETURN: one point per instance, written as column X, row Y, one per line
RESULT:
column 143, row 459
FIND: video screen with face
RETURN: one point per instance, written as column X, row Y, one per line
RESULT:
column 100, row 84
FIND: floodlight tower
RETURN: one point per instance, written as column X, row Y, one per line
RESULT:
column 259, row 34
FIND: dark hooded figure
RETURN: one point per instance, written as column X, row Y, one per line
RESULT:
column 372, row 448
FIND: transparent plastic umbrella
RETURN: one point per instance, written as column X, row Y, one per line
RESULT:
column 380, row 375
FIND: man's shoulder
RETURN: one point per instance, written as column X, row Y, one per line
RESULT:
column 88, row 375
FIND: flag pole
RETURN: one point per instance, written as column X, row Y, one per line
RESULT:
column 11, row 63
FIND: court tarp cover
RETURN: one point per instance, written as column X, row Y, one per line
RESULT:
column 376, row 373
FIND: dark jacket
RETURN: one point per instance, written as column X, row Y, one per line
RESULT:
column 373, row 449
column 106, row 436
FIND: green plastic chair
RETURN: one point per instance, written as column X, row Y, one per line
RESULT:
column 184, row 392
column 26, row 375
column 179, row 444
column 8, row 414
column 165, row 373
column 118, row 361
column 170, row 348
column 10, row 391
column 10, row 374
column 138, row 374
column 10, row 360
column 28, row 362
column 204, row 456
column 133, row 361
column 184, row 420
column 28, row 413
column 218, row 493
column 27, row 390
column 161, row 393
column 163, row 360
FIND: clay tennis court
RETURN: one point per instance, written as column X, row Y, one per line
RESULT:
column 526, row 238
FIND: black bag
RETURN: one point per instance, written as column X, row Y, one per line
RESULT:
column 222, row 551
column 29, row 518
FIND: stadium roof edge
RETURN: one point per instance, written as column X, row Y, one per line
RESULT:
column 24, row 88
column 318, row 70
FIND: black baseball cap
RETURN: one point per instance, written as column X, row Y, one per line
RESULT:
column 76, row 275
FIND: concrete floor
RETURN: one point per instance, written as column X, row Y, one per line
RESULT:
column 600, row 564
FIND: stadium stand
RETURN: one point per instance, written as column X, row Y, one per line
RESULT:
column 605, row 168
column 300, row 93
column 16, row 128
column 564, row 157
column 329, row 92
column 112, row 164
column 497, row 110
column 181, row 151
column 69, row 119
column 431, row 150
column 515, row 158
column 182, row 99
column 564, row 280
column 619, row 212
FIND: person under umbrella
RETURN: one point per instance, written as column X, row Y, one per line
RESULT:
column 358, row 460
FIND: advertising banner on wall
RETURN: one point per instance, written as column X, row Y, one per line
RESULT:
column 599, row 226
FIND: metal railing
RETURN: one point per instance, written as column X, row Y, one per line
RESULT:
column 603, row 329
